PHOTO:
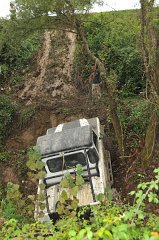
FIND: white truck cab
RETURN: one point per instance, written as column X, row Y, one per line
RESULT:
column 62, row 148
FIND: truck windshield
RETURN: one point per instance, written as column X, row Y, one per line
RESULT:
column 61, row 163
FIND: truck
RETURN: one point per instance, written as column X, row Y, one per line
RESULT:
column 61, row 149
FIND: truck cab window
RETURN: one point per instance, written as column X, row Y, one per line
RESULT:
column 58, row 164
column 95, row 139
column 93, row 155
column 55, row 164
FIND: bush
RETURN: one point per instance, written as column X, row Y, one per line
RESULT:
column 26, row 115
column 4, row 156
column 134, row 118
column 108, row 222
column 7, row 109
column 113, row 38
column 17, row 49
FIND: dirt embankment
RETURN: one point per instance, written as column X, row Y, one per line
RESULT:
column 51, row 79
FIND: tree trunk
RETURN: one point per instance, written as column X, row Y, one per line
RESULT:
column 147, row 152
column 112, row 102
column 150, row 44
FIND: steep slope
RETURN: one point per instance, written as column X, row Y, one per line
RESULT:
column 51, row 92
column 52, row 77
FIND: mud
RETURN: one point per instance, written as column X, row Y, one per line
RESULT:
column 9, row 175
column 52, row 77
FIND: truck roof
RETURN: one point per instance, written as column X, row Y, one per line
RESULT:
column 67, row 139
column 74, row 124
column 64, row 126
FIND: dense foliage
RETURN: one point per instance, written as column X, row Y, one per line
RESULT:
column 7, row 109
column 17, row 49
column 113, row 37
column 109, row 223
column 134, row 114
column 107, row 220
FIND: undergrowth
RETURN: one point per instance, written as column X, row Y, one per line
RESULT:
column 26, row 115
column 134, row 114
column 7, row 109
column 107, row 220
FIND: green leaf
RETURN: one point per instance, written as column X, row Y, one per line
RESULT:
column 141, row 215
column 81, row 234
column 42, row 206
column 100, row 232
column 60, row 208
column 89, row 234
column 31, row 197
column 100, row 197
column 41, row 197
column 72, row 233
column 63, row 197
column 64, row 183
column 41, row 215
column 39, row 165
column 155, row 200
column 41, row 174
column 132, row 193
column 42, row 186
column 108, row 233
column 156, row 170
column 79, row 180
column 74, row 203
column 72, row 214
column 74, row 191
column 79, row 169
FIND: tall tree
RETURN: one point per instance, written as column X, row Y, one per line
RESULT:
column 150, row 44
column 68, row 14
